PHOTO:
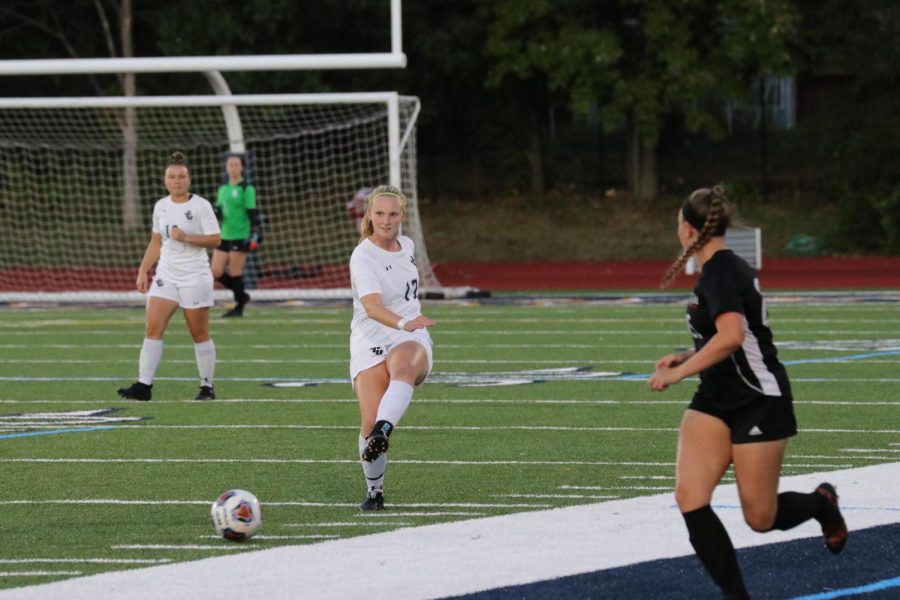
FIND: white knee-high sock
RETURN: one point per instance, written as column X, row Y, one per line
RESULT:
column 374, row 471
column 206, row 361
column 151, row 355
column 394, row 403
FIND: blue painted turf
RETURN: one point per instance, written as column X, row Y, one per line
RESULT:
column 797, row 570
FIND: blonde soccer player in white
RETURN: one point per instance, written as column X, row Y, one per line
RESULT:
column 184, row 226
column 390, row 349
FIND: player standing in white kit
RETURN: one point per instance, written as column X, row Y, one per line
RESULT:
column 184, row 226
column 390, row 349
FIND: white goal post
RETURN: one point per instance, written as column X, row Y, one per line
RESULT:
column 75, row 215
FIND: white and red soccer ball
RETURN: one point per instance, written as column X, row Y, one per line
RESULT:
column 236, row 515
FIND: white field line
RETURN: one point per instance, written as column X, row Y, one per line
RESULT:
column 304, row 503
column 657, row 488
column 597, row 333
column 341, row 461
column 393, row 513
column 486, row 428
column 516, row 401
column 868, row 450
column 363, row 524
column 88, row 561
column 495, row 320
column 314, row 536
column 39, row 573
column 216, row 548
column 466, row 557
column 560, row 496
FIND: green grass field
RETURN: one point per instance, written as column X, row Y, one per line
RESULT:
column 84, row 492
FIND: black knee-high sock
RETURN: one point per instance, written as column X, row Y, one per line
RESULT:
column 237, row 284
column 226, row 280
column 715, row 550
column 795, row 508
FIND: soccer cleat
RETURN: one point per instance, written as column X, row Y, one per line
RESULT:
column 206, row 393
column 834, row 530
column 376, row 445
column 237, row 311
column 136, row 391
column 374, row 501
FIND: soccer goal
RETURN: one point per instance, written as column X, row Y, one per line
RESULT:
column 78, row 184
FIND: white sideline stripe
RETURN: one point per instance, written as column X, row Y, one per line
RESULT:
column 219, row 547
column 39, row 573
column 340, row 461
column 89, row 561
column 466, row 557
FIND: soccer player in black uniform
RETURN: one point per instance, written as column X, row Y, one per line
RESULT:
column 742, row 413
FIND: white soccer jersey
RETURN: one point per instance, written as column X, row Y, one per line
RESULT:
column 395, row 276
column 180, row 260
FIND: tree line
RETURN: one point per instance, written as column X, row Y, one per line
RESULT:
column 526, row 96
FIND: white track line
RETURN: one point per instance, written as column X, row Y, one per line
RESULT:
column 466, row 557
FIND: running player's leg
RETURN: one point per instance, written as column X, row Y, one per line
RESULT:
column 757, row 468
column 370, row 386
column 704, row 453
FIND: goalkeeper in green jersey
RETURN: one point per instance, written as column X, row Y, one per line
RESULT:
column 241, row 232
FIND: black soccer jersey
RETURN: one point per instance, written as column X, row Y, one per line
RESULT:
column 728, row 284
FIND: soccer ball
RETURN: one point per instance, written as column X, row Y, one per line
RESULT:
column 236, row 515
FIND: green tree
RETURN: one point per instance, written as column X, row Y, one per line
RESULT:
column 640, row 61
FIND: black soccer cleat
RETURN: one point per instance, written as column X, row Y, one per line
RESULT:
column 376, row 445
column 237, row 311
column 834, row 530
column 137, row 391
column 374, row 501
column 206, row 393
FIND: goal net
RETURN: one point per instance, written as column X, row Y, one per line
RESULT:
column 79, row 178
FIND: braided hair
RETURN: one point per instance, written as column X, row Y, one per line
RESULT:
column 708, row 211
column 366, row 227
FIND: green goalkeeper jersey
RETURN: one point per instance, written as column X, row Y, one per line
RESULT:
column 234, row 201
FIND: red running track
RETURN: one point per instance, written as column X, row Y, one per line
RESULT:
column 777, row 274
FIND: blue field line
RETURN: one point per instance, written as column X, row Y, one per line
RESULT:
column 800, row 361
column 5, row 436
column 834, row 359
column 877, row 586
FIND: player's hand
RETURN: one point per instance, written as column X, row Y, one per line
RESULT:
column 662, row 379
column 419, row 322
column 143, row 283
column 254, row 242
column 671, row 360
column 177, row 234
